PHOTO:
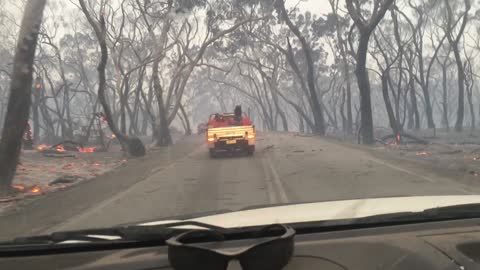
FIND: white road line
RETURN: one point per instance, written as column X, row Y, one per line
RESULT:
column 277, row 182
column 403, row 170
column 82, row 216
column 272, row 199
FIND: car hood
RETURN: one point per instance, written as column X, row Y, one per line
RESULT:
column 324, row 211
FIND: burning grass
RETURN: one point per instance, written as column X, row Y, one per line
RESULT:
column 446, row 152
column 61, row 148
column 424, row 153
column 38, row 174
column 86, row 149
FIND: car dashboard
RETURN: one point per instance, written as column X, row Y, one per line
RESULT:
column 432, row 245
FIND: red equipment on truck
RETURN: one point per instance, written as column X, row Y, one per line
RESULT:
column 230, row 132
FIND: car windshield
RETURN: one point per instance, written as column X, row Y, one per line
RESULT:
column 150, row 111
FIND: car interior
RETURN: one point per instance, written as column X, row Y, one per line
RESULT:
column 428, row 245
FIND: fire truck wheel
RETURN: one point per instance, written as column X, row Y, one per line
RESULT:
column 251, row 150
column 212, row 153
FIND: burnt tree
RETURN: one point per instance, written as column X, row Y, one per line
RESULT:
column 454, row 41
column 132, row 145
column 20, row 93
column 365, row 28
column 307, row 51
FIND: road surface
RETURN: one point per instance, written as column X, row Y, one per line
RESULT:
column 182, row 179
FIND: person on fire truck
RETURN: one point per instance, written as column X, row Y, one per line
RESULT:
column 239, row 119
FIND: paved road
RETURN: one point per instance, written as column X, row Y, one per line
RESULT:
column 184, row 180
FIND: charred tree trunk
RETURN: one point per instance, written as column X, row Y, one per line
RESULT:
column 426, row 95
column 445, row 121
column 50, row 127
column 301, row 125
column 366, row 119
column 470, row 105
column 20, row 94
column 164, row 138
column 35, row 113
column 123, row 104
column 66, row 106
column 413, row 100
column 461, row 88
column 414, row 114
column 188, row 129
column 469, row 85
column 342, row 112
column 391, row 115
column 346, row 74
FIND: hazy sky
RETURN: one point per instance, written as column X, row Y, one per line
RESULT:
column 314, row 6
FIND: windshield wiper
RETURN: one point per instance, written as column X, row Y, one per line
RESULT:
column 134, row 236
column 447, row 213
column 455, row 212
column 462, row 211
column 130, row 233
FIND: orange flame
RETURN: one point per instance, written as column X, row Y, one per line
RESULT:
column 424, row 153
column 18, row 187
column 86, row 149
column 42, row 147
column 35, row 190
column 96, row 164
column 113, row 136
column 60, row 148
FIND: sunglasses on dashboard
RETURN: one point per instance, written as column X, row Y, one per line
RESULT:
column 272, row 253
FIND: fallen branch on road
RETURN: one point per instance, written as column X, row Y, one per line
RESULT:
column 57, row 155
column 68, row 145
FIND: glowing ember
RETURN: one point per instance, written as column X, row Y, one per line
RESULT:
column 113, row 136
column 35, row 190
column 86, row 149
column 96, row 164
column 398, row 139
column 18, row 187
column 60, row 148
column 42, row 147
column 424, row 153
